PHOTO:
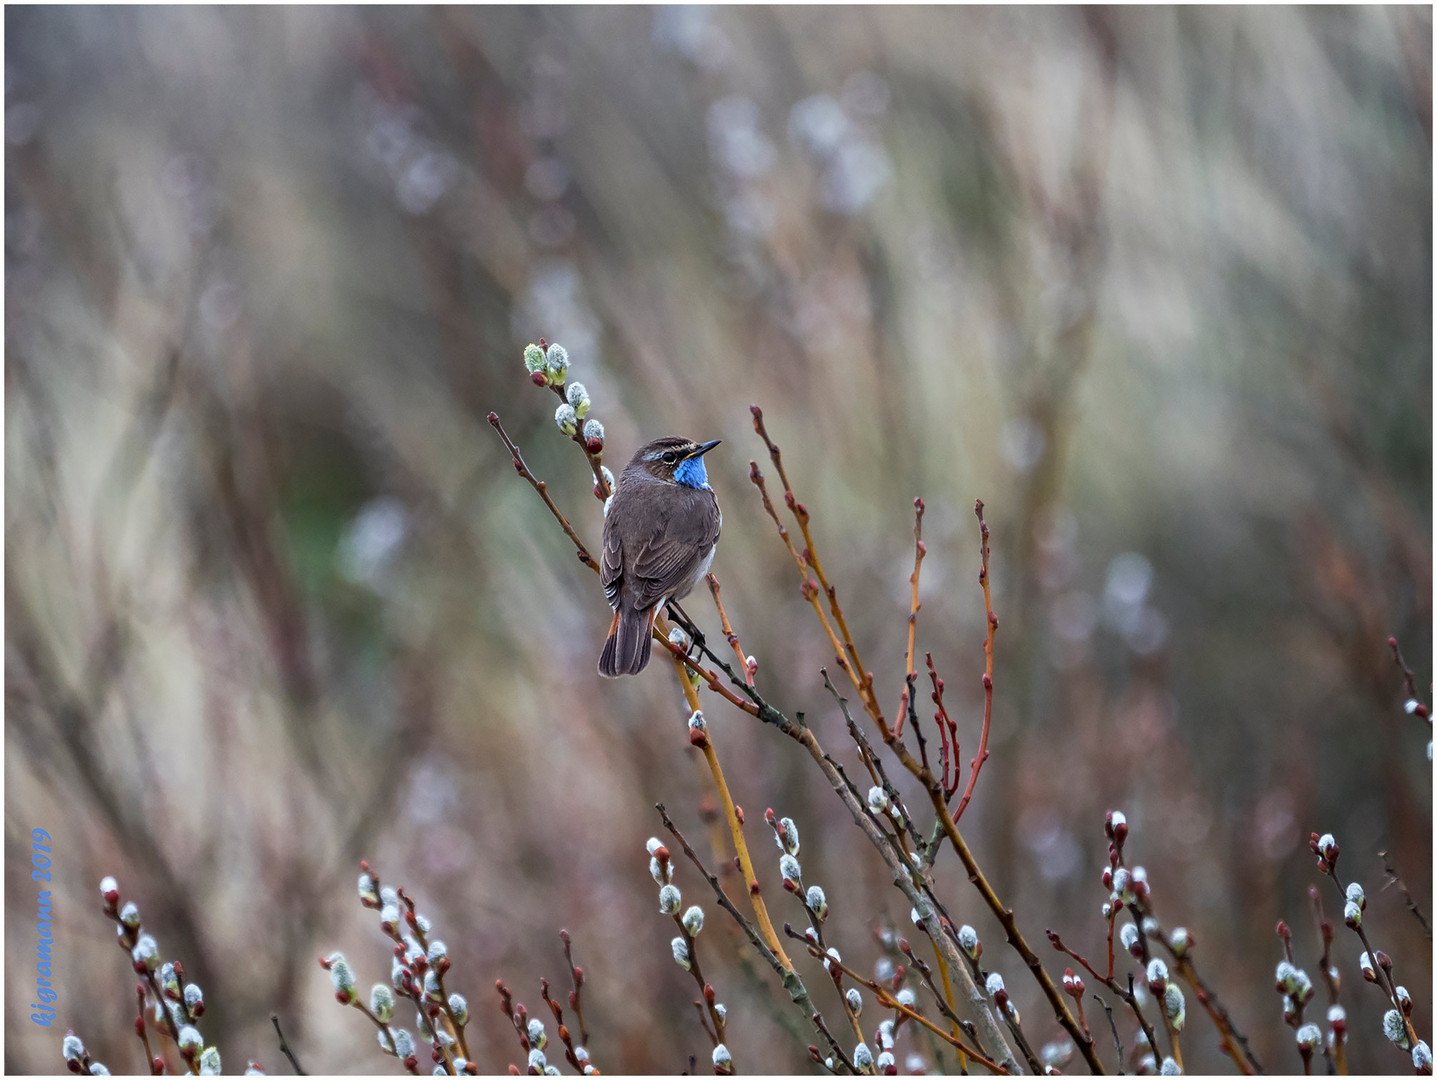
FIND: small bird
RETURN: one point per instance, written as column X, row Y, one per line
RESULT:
column 659, row 534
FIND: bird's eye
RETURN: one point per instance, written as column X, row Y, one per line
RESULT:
column 670, row 457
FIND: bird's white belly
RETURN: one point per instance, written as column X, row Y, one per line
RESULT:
column 698, row 575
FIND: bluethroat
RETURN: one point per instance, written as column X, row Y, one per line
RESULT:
column 659, row 537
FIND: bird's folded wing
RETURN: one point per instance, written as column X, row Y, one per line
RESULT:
column 668, row 559
column 611, row 566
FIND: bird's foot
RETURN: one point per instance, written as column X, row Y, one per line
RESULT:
column 679, row 616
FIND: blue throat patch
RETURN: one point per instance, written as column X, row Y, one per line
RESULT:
column 691, row 473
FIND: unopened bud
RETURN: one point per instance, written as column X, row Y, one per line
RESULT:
column 368, row 894
column 567, row 419
column 341, row 975
column 593, row 436
column 403, row 1044
column 787, row 837
column 722, row 1059
column 1157, row 975
column 995, row 987
column 130, row 915
column 1368, row 971
column 670, row 900
column 969, row 943
column 1175, row 1005
column 792, row 872
column 1181, row 942
column 1128, row 938
column 145, row 954
column 556, row 361
column 1394, row 1028
column 817, row 902
column 694, row 920
column 1352, row 914
column 381, row 1002
column 1302, row 988
column 1116, row 827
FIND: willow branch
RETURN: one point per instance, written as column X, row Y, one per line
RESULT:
column 542, row 488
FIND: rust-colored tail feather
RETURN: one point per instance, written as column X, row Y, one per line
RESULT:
column 631, row 636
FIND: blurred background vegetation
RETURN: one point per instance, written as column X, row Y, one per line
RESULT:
column 1154, row 284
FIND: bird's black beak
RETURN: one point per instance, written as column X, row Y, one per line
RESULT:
column 704, row 448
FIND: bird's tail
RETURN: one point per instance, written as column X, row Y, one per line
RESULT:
column 631, row 635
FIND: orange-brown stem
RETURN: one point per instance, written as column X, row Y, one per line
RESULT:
column 992, row 621
column 914, row 604
column 728, row 633
column 760, row 911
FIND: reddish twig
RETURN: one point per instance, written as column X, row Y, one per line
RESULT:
column 992, row 621
column 728, row 633
column 156, row 1064
column 947, row 734
column 862, row 680
column 1393, row 879
column 919, row 550
column 1410, row 679
column 576, row 973
column 1127, row 995
column 888, row 1001
column 790, row 978
column 1384, row 978
column 542, row 488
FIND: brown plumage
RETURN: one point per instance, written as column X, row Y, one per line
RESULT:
column 659, row 536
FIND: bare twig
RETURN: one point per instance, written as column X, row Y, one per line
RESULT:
column 919, row 550
column 791, row 980
column 888, row 1001
column 992, row 622
column 284, row 1046
column 542, row 488
column 1125, row 993
column 1393, row 879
